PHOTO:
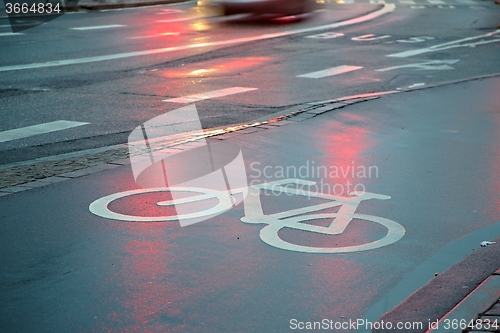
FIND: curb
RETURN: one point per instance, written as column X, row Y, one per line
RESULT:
column 437, row 298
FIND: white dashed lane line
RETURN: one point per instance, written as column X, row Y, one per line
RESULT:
column 330, row 72
column 156, row 35
column 181, row 19
column 209, row 95
column 97, row 27
column 6, row 34
column 28, row 131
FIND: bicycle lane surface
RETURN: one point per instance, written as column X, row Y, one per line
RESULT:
column 434, row 152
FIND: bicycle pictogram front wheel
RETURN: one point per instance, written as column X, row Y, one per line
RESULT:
column 269, row 234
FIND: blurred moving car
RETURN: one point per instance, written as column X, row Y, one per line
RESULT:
column 278, row 7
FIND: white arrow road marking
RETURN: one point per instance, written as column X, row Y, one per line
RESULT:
column 96, row 27
column 330, row 72
column 209, row 95
column 386, row 9
column 28, row 131
column 449, row 45
column 428, row 65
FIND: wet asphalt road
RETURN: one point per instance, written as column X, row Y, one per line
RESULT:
column 436, row 154
column 115, row 96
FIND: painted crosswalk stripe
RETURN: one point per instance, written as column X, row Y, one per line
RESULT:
column 407, row 2
column 330, row 72
column 377, row 1
column 209, row 95
column 28, row 131
column 96, row 27
column 436, row 2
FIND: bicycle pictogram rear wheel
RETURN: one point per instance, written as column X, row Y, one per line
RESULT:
column 100, row 207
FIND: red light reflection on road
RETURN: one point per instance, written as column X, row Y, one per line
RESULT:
column 167, row 278
column 147, row 261
column 335, row 279
column 345, row 141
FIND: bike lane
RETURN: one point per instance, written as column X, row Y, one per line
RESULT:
column 434, row 152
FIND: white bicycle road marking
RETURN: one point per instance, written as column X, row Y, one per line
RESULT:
column 275, row 222
column 100, row 206
column 293, row 218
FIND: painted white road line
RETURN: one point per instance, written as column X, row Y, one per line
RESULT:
column 181, row 19
column 28, row 131
column 326, row 35
column 169, row 11
column 436, row 2
column 407, row 2
column 97, row 27
column 209, row 95
column 369, row 37
column 448, row 45
column 4, row 34
column 330, row 72
column 388, row 8
column 157, row 35
column 428, row 65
